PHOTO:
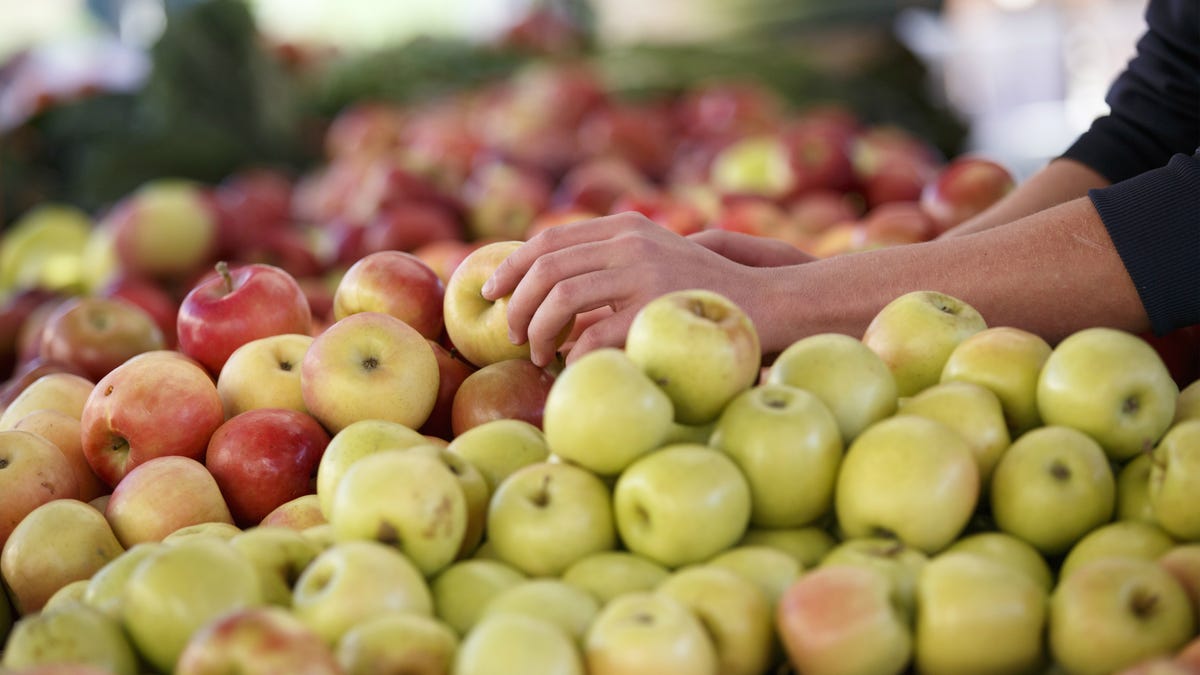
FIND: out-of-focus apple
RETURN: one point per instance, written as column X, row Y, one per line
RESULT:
column 397, row 642
column 899, row 562
column 279, row 555
column 1183, row 563
column 138, row 509
column 806, row 545
column 1007, row 361
column 964, row 187
column 395, row 283
column 408, row 225
column 891, row 164
column 566, row 606
column 1119, row 539
column 593, row 186
column 502, row 200
column 896, row 223
column 158, row 302
column 296, row 514
column 509, row 642
column 609, row 574
column 1173, row 480
column 64, row 431
column 509, row 389
column 443, row 256
column 734, row 612
column 166, row 229
column 256, row 640
column 33, row 471
column 97, row 334
column 264, row 373
column 72, row 640
column 463, row 590
column 772, row 571
column 1133, row 490
column 1010, row 551
column 641, row 632
column 59, row 392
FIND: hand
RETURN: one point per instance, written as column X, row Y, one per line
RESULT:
column 622, row 262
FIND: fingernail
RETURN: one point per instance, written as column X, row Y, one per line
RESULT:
column 487, row 287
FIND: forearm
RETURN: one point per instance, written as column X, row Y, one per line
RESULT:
column 1051, row 273
column 1059, row 181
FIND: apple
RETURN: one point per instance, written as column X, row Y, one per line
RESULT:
column 357, row 440
column 699, row 347
column 644, row 633
column 629, row 415
column 770, row 569
column 1133, row 490
column 61, row 392
column 444, row 255
column 264, row 373
column 29, row 333
column 396, row 283
column 681, row 504
column 397, row 642
column 977, row 615
column 251, row 202
column 106, row 588
column 354, row 580
column 157, row 301
column 475, row 491
column 408, row 225
column 909, row 477
column 502, row 199
column 806, row 545
column 97, row 334
column 1111, row 385
column 973, row 411
column 892, row 164
column 915, row 334
column 1188, row 405
column 509, row 389
column 369, row 366
column 69, row 594
column 61, row 541
column 544, row 517
column 755, row 165
column 818, row 210
column 1006, row 549
column 1057, row 470
column 594, row 185
column 1007, row 361
column 609, row 574
column 463, row 590
column 264, row 457
column 452, row 371
column 424, row 514
column 63, row 431
column 162, row 495
column 899, row 562
column 510, row 642
column 296, row 514
column 256, row 640
column 236, row 305
column 843, row 619
column 178, row 589
column 964, row 187
column 166, row 229
column 1174, row 480
column 787, row 444
column 15, row 308
column 567, row 606
column 1120, row 539
column 213, row 529
column 1114, row 612
column 896, row 223
column 33, row 471
column 75, row 638
column 734, row 612
column 1182, row 561
column 279, row 555
column 155, row 404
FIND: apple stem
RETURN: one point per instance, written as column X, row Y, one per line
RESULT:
column 1143, row 603
column 223, row 270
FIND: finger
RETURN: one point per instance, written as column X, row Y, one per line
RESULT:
column 610, row 332
column 568, row 298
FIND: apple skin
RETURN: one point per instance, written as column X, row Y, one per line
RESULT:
column 567, row 606
column 397, row 642
column 510, row 389
column 1112, row 613
column 1183, row 562
column 842, row 620
column 1119, row 539
column 155, row 404
column 1133, row 490
column 359, row 439
column 733, row 610
column 505, row 643
column 369, row 366
column 899, row 562
column 395, row 283
column 643, row 633
column 1007, row 361
column 158, row 302
column 1111, row 385
column 63, row 431
column 72, row 640
column 166, row 229
column 699, row 347
column 609, row 574
column 263, row 458
column 973, row 411
column 256, row 640
column 236, row 305
column 500, row 447
column 33, row 471
column 963, row 188
column 1011, row 551
column 59, row 392
column 296, row 514
column 463, row 590
column 97, row 334
column 1174, row 480
column 806, row 545
column 137, row 509
column 279, row 555
column 264, row 373
column 452, row 372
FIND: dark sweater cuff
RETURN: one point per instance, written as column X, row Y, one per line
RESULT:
column 1154, row 222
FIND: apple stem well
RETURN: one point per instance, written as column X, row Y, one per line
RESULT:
column 1143, row 603
column 1060, row 471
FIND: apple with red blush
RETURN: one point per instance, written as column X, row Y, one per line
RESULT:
column 893, row 223
column 15, row 309
column 596, row 184
column 511, row 389
column 452, row 372
column 503, row 198
column 364, row 128
column 892, row 165
column 964, row 187
column 443, row 257
column 250, row 204
column 395, row 283
column 818, row 210
column 409, row 225
column 97, row 334
column 640, row 134
column 167, row 229
column 155, row 299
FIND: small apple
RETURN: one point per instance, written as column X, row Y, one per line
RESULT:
column 357, row 440
column 510, row 642
column 734, row 612
column 1011, row 551
column 256, row 640
column 1120, row 539
column 609, row 574
column 297, row 514
column 64, row 431
column 396, row 283
column 166, row 229
column 509, row 389
column 1007, row 361
column 1174, row 480
column 397, row 642
column 1133, row 490
column 264, row 373
column 646, row 633
column 755, row 165
column 567, row 606
column 464, row 589
column 964, row 187
column 33, row 471
column 970, row 409
column 500, row 447
column 502, row 198
column 159, row 302
column 1111, row 385
column 76, row 638
column 97, row 334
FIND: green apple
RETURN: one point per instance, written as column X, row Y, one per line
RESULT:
column 279, row 555
column 1119, row 539
column 321, row 535
column 681, row 504
column 354, row 580
column 1133, row 489
column 357, row 440
column 973, row 411
column 689, row 433
column 787, row 445
column 213, row 530
column 853, row 382
column 1187, row 406
column 410, row 501
column 177, row 589
column 698, row 346
column 500, row 447
column 916, row 333
column 369, row 366
column 1111, row 385
column 475, row 490
column 808, row 545
column 978, row 615
column 106, row 588
column 759, row 164
column 256, row 641
column 646, row 633
column 1183, row 562
column 546, row 516
column 569, row 607
column 1010, row 551
column 264, row 373
column 770, row 569
column 61, row 541
column 627, row 414
column 64, row 392
column 73, row 633
column 397, row 642
column 734, row 612
column 909, row 477
column 1008, row 361
column 462, row 590
column 71, row 593
column 1175, row 480
column 510, row 643
column 899, row 563
column 1052, row 469
column 1112, row 613
column 843, row 620
column 608, row 574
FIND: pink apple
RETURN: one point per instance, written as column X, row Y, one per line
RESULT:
column 237, row 305
column 452, row 372
column 639, row 134
column 257, row 640
column 97, row 334
column 964, row 187
column 153, row 298
column 299, row 514
column 676, row 215
column 510, row 389
column 162, row 495
column 892, row 164
column 817, row 211
column 33, row 471
column 503, row 199
column 395, row 283
column 249, row 204
column 157, row 403
column 364, row 128
column 263, row 458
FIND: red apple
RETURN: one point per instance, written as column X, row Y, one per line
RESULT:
column 894, row 223
column 151, row 297
column 596, row 184
column 452, row 371
column 964, row 187
column 641, row 135
column 395, row 283
column 444, row 256
column 162, row 495
column 818, row 210
column 97, row 334
column 157, row 403
column 891, row 164
column 727, row 109
column 676, row 215
column 15, row 308
column 409, row 225
column 820, row 142
column 263, row 458
column 291, row 249
column 512, row 389
column 503, row 199
column 33, row 471
column 237, row 305
column 249, row 204
column 366, row 128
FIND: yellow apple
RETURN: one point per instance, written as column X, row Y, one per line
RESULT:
column 1010, row 551
column 1120, row 539
column 1008, row 361
column 510, row 642
column 72, row 634
column 64, row 431
column 807, row 545
column 463, row 590
column 970, row 409
column 734, row 612
column 264, row 373
column 64, row 392
column 1175, row 480
column 569, row 607
column 357, row 440
column 500, row 447
column 608, row 574
column 645, row 633
column 397, row 642
column 1133, row 489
